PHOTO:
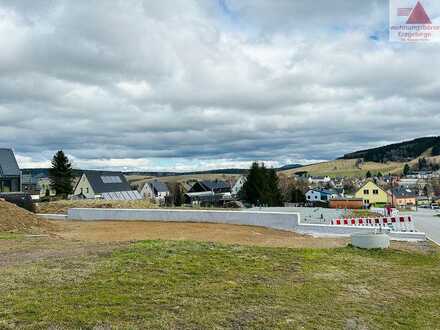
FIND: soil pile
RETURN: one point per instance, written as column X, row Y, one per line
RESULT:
column 16, row 219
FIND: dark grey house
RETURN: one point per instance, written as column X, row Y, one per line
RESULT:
column 209, row 193
column 216, row 187
column 9, row 172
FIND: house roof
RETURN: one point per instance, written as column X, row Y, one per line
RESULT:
column 8, row 163
column 402, row 193
column 374, row 183
column 105, row 181
column 185, row 186
column 214, row 185
column 325, row 191
column 159, row 186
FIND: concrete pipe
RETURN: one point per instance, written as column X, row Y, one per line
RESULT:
column 370, row 241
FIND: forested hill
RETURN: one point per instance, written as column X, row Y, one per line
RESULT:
column 400, row 152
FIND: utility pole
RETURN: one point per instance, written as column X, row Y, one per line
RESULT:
column 392, row 191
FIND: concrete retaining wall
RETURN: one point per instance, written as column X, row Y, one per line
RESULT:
column 407, row 236
column 334, row 231
column 276, row 220
column 53, row 216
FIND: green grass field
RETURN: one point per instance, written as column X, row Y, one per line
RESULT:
column 176, row 285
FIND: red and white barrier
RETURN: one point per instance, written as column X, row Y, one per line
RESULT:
column 400, row 224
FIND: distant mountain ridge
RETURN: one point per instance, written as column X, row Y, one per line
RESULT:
column 242, row 171
column 239, row 171
column 399, row 152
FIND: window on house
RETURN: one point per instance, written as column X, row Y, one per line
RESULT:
column 375, row 192
column 87, row 190
column 366, row 192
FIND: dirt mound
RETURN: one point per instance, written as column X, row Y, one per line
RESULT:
column 14, row 218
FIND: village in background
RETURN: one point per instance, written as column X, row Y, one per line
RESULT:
column 415, row 185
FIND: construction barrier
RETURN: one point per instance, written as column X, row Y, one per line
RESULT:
column 400, row 224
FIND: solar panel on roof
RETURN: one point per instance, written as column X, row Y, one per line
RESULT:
column 122, row 195
column 111, row 179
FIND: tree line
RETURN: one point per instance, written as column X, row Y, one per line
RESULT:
column 264, row 187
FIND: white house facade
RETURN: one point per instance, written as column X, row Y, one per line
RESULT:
column 156, row 190
column 315, row 195
column 84, row 188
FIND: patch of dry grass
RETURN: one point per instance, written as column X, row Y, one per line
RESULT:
column 61, row 207
column 348, row 167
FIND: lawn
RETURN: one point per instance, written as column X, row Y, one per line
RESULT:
column 170, row 285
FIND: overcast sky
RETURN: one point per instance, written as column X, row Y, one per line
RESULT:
column 201, row 84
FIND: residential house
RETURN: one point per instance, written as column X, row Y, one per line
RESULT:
column 44, row 189
column 10, row 177
column 403, row 197
column 156, row 190
column 320, row 195
column 37, row 185
column 387, row 179
column 408, row 182
column 216, row 186
column 29, row 182
column 213, row 193
column 104, row 185
column 319, row 179
column 372, row 194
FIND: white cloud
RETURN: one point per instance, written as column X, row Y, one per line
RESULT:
column 134, row 89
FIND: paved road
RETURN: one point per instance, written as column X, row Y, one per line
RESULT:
column 426, row 221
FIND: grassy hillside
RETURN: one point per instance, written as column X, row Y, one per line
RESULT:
column 352, row 167
column 348, row 167
column 403, row 151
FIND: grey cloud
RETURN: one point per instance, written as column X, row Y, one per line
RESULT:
column 175, row 81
